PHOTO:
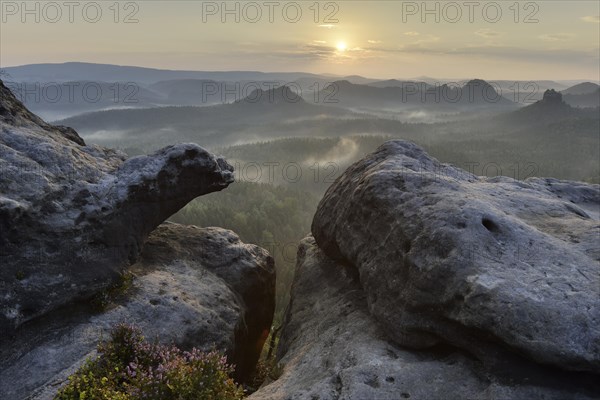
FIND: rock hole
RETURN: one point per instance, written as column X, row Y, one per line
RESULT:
column 490, row 225
column 191, row 153
column 27, row 312
column 372, row 381
column 576, row 210
column 405, row 395
column 390, row 379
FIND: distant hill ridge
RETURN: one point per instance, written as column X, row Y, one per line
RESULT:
column 73, row 71
column 474, row 92
column 581, row 88
column 551, row 108
column 280, row 95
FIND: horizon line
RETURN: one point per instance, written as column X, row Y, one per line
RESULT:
column 293, row 72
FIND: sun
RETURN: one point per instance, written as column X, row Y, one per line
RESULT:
column 341, row 46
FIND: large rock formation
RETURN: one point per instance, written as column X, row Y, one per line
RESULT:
column 72, row 216
column 332, row 348
column 444, row 255
column 550, row 109
column 196, row 287
column 73, row 222
column 551, row 96
column 431, row 282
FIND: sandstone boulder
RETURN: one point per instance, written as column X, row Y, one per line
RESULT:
column 73, row 216
column 480, row 263
column 332, row 348
column 195, row 287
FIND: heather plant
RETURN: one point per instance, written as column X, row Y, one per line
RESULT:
column 129, row 367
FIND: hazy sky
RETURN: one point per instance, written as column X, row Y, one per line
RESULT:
column 382, row 39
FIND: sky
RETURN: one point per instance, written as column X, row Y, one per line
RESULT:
column 379, row 39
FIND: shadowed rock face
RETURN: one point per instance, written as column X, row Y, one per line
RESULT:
column 195, row 287
column 72, row 216
column 490, row 265
column 246, row 269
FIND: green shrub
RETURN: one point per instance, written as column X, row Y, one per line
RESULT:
column 267, row 370
column 128, row 368
column 105, row 298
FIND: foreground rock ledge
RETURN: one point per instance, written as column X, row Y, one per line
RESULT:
column 195, row 287
column 73, row 216
column 333, row 348
column 493, row 266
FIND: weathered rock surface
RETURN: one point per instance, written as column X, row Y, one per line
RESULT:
column 333, row 348
column 196, row 287
column 426, row 282
column 73, row 216
column 494, row 266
